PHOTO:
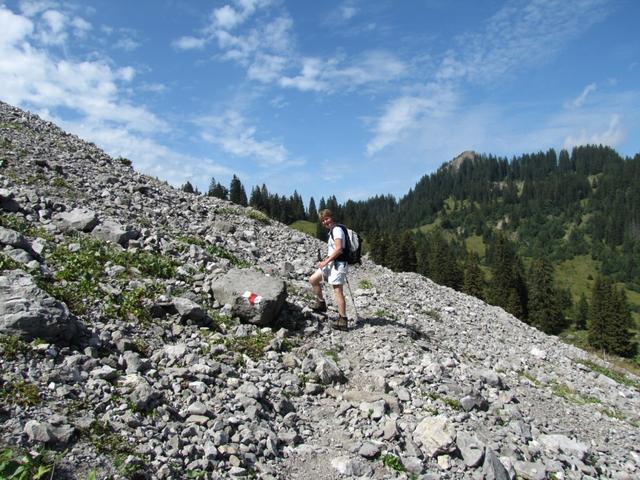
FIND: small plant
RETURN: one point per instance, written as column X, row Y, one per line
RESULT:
column 220, row 252
column 196, row 474
column 124, row 161
column 618, row 377
column 220, row 319
column 27, row 467
column 530, row 377
column 365, row 284
column 382, row 313
column 19, row 224
column 563, row 391
column 451, row 402
column 20, row 393
column 332, row 354
column 259, row 216
column 613, row 414
column 106, row 441
column 252, row 345
column 393, row 462
column 59, row 183
column 11, row 346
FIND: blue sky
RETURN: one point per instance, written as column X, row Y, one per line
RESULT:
column 349, row 98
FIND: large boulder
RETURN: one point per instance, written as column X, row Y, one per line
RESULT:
column 436, row 435
column 254, row 297
column 80, row 219
column 28, row 312
column 114, row 232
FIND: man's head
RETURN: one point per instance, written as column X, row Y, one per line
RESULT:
column 326, row 218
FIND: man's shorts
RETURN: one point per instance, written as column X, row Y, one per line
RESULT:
column 335, row 273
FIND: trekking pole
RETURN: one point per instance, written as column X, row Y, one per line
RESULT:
column 353, row 299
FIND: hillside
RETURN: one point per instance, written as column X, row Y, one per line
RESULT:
column 122, row 357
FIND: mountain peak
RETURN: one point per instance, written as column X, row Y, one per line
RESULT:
column 457, row 161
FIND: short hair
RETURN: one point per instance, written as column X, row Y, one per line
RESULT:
column 326, row 213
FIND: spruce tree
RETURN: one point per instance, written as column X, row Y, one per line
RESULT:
column 473, row 277
column 237, row 192
column 507, row 287
column 582, row 312
column 545, row 312
column 187, row 187
column 598, row 313
column 620, row 336
column 313, row 212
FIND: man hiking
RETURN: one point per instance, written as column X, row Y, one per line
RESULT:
column 333, row 270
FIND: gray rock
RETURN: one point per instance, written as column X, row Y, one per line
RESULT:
column 492, row 468
column 14, row 239
column 46, row 433
column 351, row 467
column 530, row 470
column 254, row 297
column 189, row 310
column 114, row 232
column 369, row 450
column 328, row 372
column 80, row 219
column 564, row 444
column 471, row 449
column 436, row 435
column 29, row 313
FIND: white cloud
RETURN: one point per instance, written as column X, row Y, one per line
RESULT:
column 13, row 28
column 234, row 135
column 189, row 43
column 34, row 77
column 266, row 68
column 406, row 114
column 33, row 7
column 521, row 35
column 612, row 135
column 580, row 99
column 266, row 48
column 347, row 12
column 127, row 44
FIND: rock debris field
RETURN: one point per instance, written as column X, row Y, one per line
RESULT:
column 146, row 332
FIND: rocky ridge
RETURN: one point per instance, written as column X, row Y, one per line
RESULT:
column 136, row 364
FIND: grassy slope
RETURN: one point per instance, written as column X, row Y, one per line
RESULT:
column 305, row 227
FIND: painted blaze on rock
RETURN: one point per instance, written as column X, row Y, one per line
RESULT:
column 231, row 289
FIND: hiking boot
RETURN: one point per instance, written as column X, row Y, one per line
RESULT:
column 319, row 306
column 342, row 323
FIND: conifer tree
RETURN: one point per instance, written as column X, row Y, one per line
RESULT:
column 473, row 277
column 187, row 187
column 443, row 265
column 237, row 192
column 582, row 312
column 544, row 307
column 313, row 212
column 216, row 189
column 378, row 247
column 620, row 336
column 600, row 309
column 507, row 288
column 407, row 252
